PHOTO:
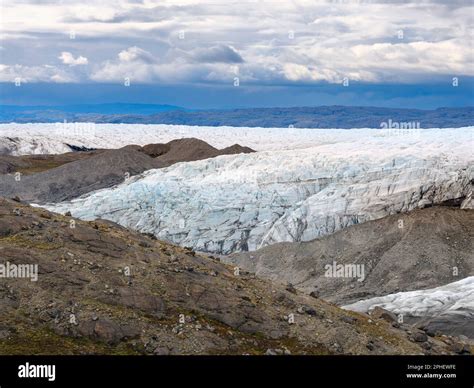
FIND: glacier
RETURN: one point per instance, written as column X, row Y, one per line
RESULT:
column 53, row 138
column 243, row 202
column 448, row 308
column 453, row 298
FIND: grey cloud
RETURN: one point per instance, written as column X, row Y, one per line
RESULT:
column 216, row 54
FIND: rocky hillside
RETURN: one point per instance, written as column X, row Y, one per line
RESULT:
column 410, row 264
column 421, row 249
column 31, row 164
column 104, row 289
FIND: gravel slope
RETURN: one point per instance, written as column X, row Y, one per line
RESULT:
column 401, row 252
column 173, row 300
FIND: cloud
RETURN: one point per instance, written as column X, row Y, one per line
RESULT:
column 294, row 42
column 140, row 66
column 27, row 74
column 68, row 59
column 217, row 54
column 136, row 54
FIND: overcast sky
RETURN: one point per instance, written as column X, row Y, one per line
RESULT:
column 264, row 44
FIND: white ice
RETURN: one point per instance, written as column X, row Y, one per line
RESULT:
column 451, row 299
column 243, row 202
column 19, row 139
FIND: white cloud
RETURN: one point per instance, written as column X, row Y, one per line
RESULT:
column 299, row 41
column 140, row 66
column 26, row 74
column 68, row 59
column 135, row 54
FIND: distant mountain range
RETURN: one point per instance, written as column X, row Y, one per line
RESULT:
column 43, row 113
column 299, row 117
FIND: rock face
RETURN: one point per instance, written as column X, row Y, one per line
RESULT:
column 244, row 202
column 449, row 308
column 103, row 289
column 89, row 171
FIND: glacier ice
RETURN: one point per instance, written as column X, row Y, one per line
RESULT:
column 52, row 138
column 455, row 298
column 243, row 202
